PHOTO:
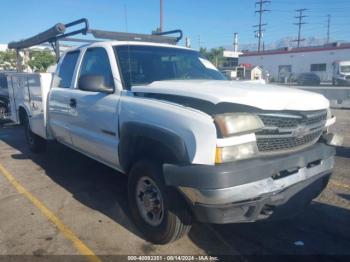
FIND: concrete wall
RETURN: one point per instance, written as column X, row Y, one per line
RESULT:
column 300, row 62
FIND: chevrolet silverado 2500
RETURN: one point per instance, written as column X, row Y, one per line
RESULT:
column 193, row 145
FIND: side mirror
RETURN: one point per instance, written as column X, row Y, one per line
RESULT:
column 94, row 83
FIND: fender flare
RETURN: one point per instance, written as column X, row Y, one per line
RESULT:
column 132, row 131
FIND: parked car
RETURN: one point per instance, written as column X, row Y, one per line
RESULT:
column 310, row 79
column 193, row 145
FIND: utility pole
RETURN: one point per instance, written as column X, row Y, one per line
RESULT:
column 161, row 16
column 199, row 42
column 126, row 17
column 300, row 22
column 188, row 42
column 328, row 27
column 235, row 42
column 260, row 30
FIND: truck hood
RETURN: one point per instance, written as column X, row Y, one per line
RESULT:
column 265, row 97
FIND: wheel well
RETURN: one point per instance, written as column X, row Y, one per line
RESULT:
column 140, row 140
column 22, row 114
column 144, row 147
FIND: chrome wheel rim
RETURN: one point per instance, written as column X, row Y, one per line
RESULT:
column 149, row 201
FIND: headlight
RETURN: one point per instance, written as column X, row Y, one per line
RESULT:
column 236, row 152
column 237, row 123
column 329, row 113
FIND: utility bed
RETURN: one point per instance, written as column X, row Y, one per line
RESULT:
column 28, row 91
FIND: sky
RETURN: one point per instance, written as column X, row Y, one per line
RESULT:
column 208, row 22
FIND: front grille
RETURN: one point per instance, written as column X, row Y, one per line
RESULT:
column 285, row 132
column 276, row 121
column 276, row 144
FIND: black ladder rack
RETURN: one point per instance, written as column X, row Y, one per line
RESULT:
column 58, row 33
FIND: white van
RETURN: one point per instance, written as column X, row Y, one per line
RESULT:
column 341, row 73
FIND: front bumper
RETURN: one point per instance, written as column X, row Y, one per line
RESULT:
column 253, row 189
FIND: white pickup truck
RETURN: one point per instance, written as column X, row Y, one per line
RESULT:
column 193, row 145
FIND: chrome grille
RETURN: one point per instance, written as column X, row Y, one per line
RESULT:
column 285, row 132
column 276, row 121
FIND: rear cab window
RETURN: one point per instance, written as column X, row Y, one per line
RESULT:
column 63, row 78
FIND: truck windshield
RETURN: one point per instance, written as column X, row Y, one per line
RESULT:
column 142, row 65
column 345, row 69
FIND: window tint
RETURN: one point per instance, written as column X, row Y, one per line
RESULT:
column 318, row 67
column 33, row 81
column 96, row 62
column 3, row 82
column 65, row 74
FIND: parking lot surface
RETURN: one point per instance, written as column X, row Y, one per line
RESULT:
column 63, row 203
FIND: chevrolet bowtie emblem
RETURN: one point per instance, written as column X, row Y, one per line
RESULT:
column 300, row 131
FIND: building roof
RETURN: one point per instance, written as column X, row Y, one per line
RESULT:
column 287, row 50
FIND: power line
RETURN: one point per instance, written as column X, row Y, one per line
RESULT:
column 260, row 30
column 300, row 22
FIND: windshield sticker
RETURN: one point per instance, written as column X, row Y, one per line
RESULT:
column 207, row 64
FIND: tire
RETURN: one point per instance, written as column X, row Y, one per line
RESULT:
column 36, row 143
column 2, row 112
column 172, row 220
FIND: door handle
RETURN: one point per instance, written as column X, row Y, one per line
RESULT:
column 73, row 103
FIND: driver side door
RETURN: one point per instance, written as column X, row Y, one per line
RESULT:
column 94, row 128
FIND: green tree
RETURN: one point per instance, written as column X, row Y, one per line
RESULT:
column 204, row 53
column 41, row 60
column 8, row 60
column 215, row 55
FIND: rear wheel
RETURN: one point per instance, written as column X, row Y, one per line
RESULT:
column 36, row 143
column 2, row 111
column 157, row 210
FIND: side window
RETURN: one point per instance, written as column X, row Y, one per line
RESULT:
column 66, row 71
column 318, row 67
column 96, row 62
column 3, row 82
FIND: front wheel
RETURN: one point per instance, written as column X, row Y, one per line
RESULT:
column 36, row 143
column 157, row 210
